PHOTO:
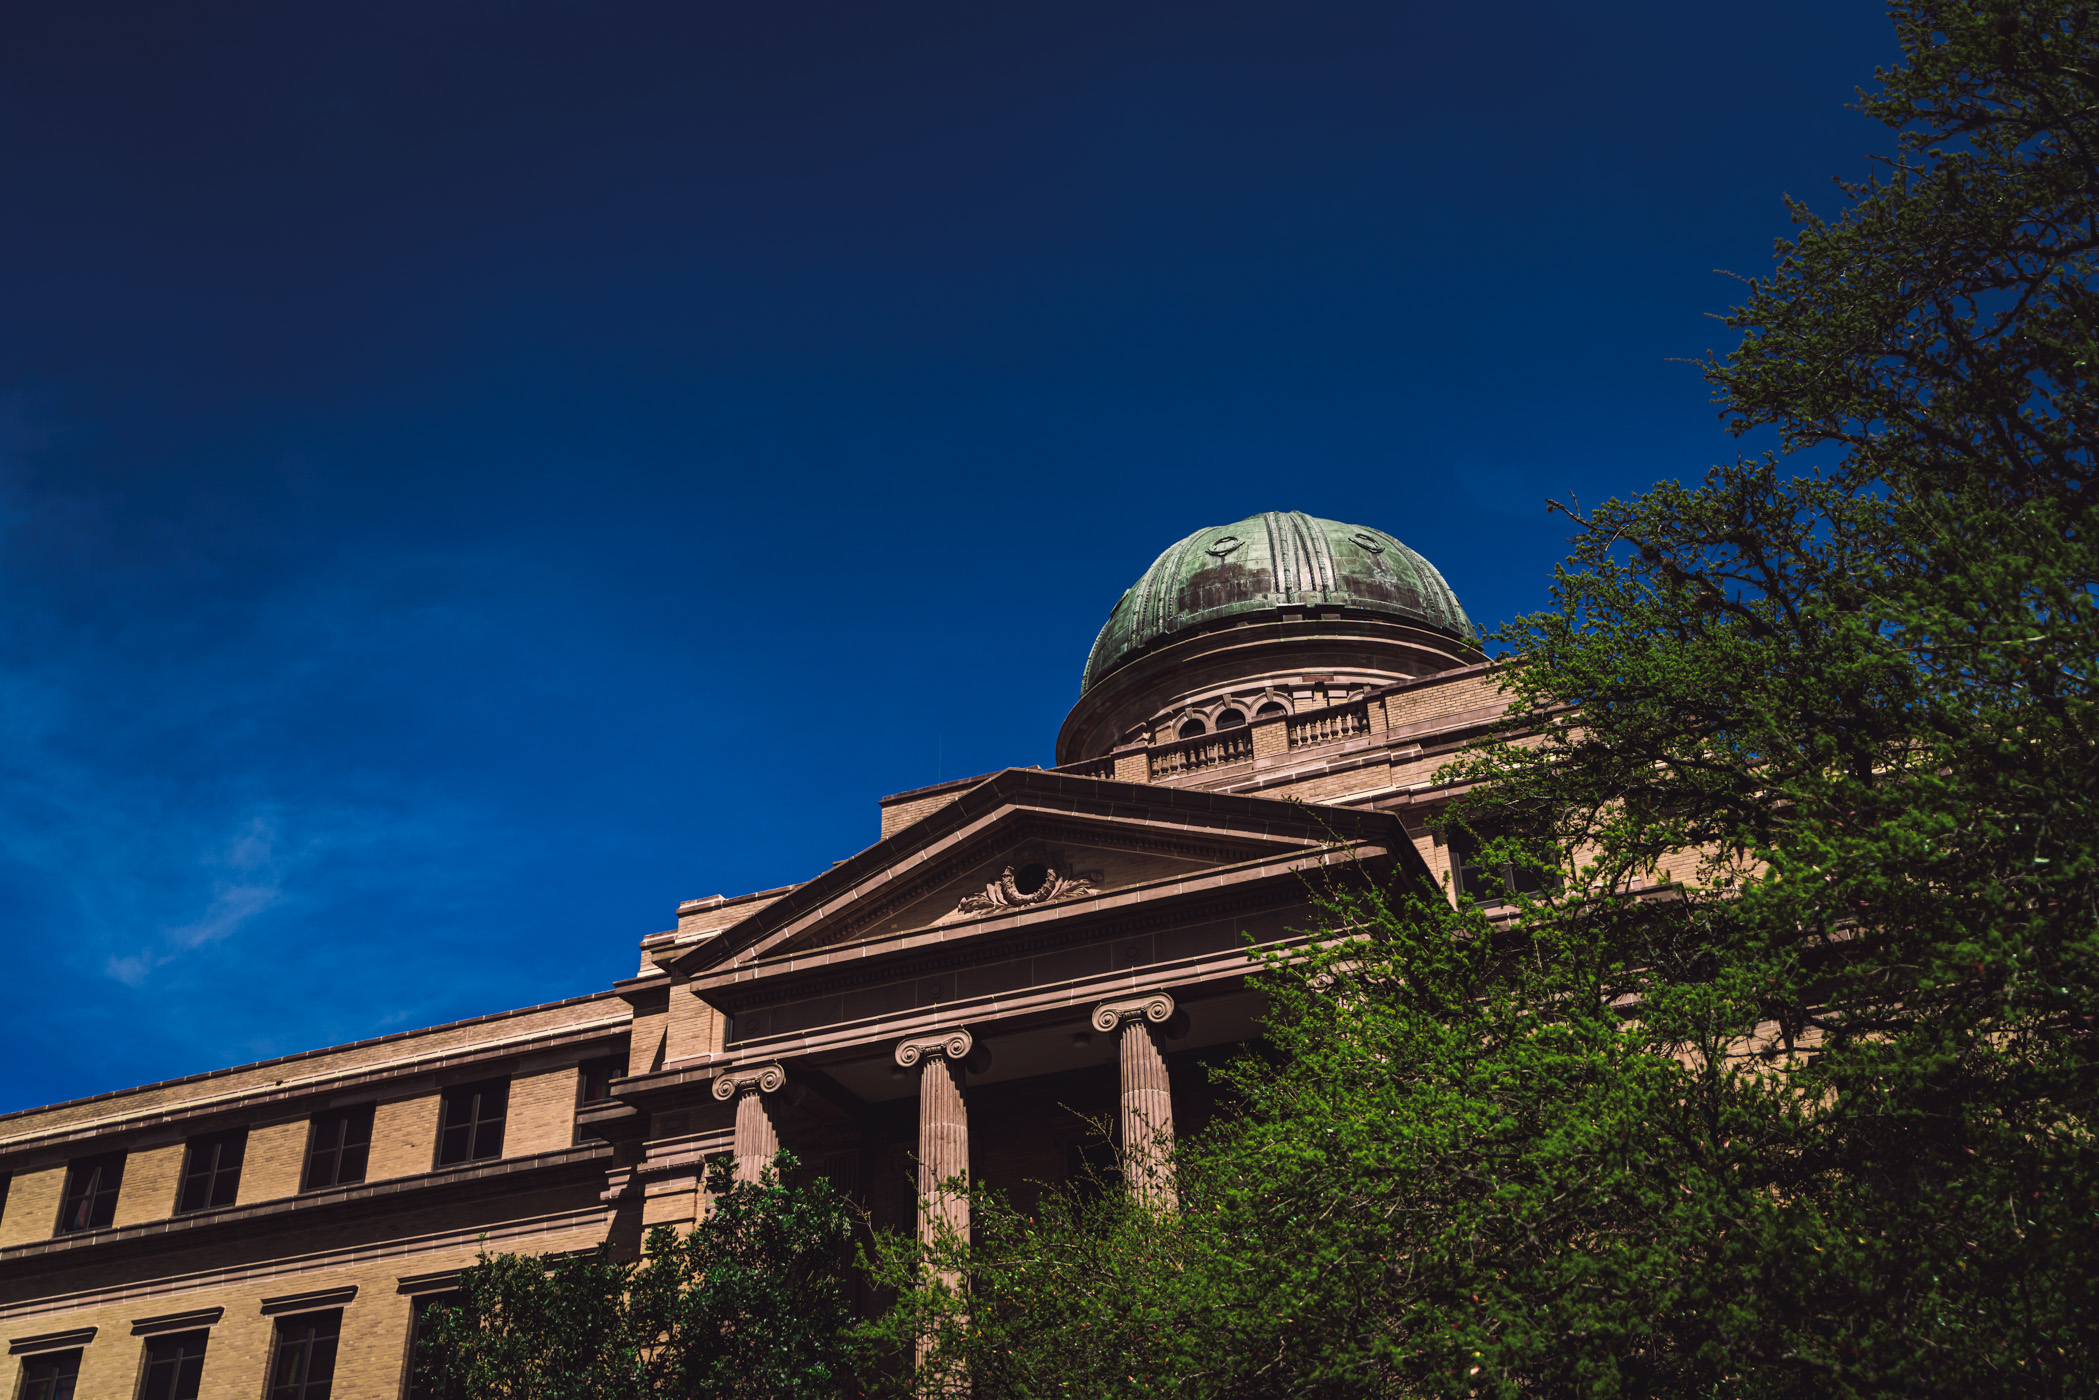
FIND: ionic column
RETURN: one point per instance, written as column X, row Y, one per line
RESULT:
column 757, row 1136
column 1147, row 1099
column 943, row 1130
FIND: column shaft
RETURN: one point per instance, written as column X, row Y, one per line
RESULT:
column 1147, row 1114
column 943, row 1146
column 757, row 1137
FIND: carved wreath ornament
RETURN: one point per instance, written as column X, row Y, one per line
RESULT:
column 1003, row 893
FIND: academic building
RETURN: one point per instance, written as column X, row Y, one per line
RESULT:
column 1017, row 959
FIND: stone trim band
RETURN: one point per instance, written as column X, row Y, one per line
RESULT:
column 177, row 1322
column 52, row 1341
column 309, row 1302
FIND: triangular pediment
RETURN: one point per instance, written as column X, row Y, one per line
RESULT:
column 1026, row 843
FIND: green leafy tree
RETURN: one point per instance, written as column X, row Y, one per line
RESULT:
column 1787, row 1089
column 749, row 1305
column 1087, row 1294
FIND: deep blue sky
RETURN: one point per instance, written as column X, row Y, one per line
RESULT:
column 473, row 475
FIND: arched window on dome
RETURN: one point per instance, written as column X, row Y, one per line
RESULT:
column 1273, row 707
column 1192, row 729
column 1230, row 719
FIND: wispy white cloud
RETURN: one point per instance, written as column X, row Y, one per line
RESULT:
column 257, row 871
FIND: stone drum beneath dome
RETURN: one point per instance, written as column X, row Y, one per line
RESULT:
column 1270, row 614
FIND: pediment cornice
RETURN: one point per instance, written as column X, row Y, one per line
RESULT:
column 858, row 894
column 1246, row 889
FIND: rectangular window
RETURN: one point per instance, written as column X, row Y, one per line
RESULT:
column 473, row 1122
column 304, row 1366
column 1498, row 881
column 598, row 1076
column 91, row 1193
column 51, row 1376
column 174, row 1367
column 422, row 1359
column 339, row 1147
column 211, row 1171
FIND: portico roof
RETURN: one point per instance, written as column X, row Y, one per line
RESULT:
column 857, row 900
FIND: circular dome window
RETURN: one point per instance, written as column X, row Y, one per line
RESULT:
column 1031, row 877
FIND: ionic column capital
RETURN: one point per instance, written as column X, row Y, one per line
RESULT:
column 955, row 1044
column 1156, row 1007
column 760, row 1079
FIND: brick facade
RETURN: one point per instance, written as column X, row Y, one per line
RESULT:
column 993, row 914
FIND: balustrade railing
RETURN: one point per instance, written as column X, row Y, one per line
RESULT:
column 1090, row 767
column 1177, row 757
column 1203, row 751
column 1325, row 726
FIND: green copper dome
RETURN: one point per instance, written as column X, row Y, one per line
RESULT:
column 1268, row 561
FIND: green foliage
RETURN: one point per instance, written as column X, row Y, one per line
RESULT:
column 1788, row 1089
column 1087, row 1296
column 748, row 1306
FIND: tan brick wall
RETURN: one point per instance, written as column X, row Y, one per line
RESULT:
column 671, row 1203
column 1320, row 787
column 32, row 1207
column 695, row 1027
column 542, row 1111
column 151, row 1177
column 646, row 1051
column 266, row 1077
column 710, row 917
column 372, row 1357
column 375, row 1338
column 274, row 1162
column 1415, row 769
column 404, row 1137
column 1423, row 702
column 110, row 1368
column 1436, row 851
column 237, row 1359
column 897, row 816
